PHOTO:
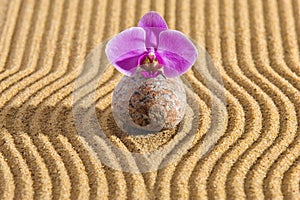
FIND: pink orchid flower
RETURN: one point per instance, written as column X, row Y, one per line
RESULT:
column 153, row 46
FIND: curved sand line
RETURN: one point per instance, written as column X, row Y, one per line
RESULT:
column 7, row 187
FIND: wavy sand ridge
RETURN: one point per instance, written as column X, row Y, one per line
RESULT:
column 255, row 46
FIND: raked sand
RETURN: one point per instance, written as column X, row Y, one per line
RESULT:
column 254, row 45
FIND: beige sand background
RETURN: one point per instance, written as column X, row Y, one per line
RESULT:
column 255, row 45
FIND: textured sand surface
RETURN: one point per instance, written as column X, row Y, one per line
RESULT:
column 254, row 44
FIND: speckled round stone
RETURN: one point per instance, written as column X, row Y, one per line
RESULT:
column 149, row 104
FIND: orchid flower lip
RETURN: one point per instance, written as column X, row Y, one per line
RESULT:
column 151, row 42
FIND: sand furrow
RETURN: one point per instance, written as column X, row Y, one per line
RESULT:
column 58, row 73
column 39, row 172
column 169, row 13
column 117, row 184
column 58, row 102
column 288, row 123
column 182, row 172
column 289, row 36
column 239, row 8
column 158, row 6
column 50, row 161
column 128, row 14
column 45, row 79
column 276, row 44
column 197, row 21
column 204, row 167
column 73, row 164
column 65, row 89
column 31, row 75
column 3, row 14
column 221, row 174
column 26, row 18
column 140, row 9
column 112, row 14
column 37, row 98
column 60, row 181
column 66, row 125
column 290, row 186
column 183, row 13
column 7, row 32
column 136, row 188
column 7, row 186
column 296, row 15
column 97, row 19
column 162, row 186
column 76, row 170
column 18, row 43
column 235, row 132
column 273, row 181
column 276, row 179
column 19, row 169
column 117, row 187
column 96, row 174
column 222, row 170
column 39, row 80
column 52, row 164
column 35, row 164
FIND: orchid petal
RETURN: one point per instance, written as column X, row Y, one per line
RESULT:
column 176, row 52
column 153, row 20
column 153, row 24
column 152, row 36
column 124, row 50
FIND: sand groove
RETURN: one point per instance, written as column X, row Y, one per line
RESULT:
column 3, row 15
column 281, row 130
column 287, row 134
column 236, row 118
column 288, row 35
column 7, row 29
column 22, row 177
column 7, row 180
column 254, row 44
